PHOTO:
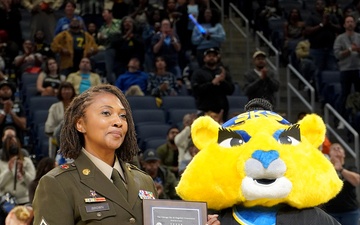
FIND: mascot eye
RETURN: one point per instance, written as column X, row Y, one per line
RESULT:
column 229, row 138
column 290, row 136
column 230, row 142
column 288, row 140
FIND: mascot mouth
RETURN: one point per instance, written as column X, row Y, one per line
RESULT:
column 265, row 181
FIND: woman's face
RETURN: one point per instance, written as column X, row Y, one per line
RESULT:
column 69, row 9
column 67, row 93
column 160, row 63
column 52, row 65
column 207, row 15
column 104, row 124
column 294, row 14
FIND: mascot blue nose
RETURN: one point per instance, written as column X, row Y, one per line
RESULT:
column 265, row 157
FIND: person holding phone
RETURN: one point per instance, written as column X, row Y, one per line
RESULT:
column 16, row 170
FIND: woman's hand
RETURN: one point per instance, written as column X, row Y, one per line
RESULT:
column 213, row 220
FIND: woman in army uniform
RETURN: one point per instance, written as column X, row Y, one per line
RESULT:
column 99, row 187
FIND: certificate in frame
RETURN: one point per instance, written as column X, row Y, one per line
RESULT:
column 174, row 212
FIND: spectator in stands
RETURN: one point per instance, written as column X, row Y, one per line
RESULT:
column 106, row 33
column 43, row 167
column 93, row 31
column 111, row 27
column 267, row 10
column 217, row 116
column 161, row 82
column 164, row 180
column 11, row 113
column 214, row 34
column 192, row 150
column 321, row 29
column 168, row 152
column 83, row 79
column 170, row 12
column 183, row 138
column 344, row 207
column 166, row 44
column 10, row 18
column 64, row 22
column 149, row 30
column 91, row 10
column 41, row 46
column 13, row 164
column 49, row 80
column 28, row 61
column 211, row 84
column 127, row 45
column 181, row 27
column 293, row 33
column 43, row 16
column 55, row 117
column 347, row 50
column 332, row 7
column 133, row 81
column 306, row 65
column 10, row 131
column 72, row 45
column 141, row 12
column 260, row 82
column 193, row 9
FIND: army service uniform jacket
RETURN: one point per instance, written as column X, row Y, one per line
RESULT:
column 64, row 195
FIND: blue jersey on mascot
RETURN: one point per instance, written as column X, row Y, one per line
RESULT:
column 259, row 169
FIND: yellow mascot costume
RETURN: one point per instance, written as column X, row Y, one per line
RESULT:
column 258, row 169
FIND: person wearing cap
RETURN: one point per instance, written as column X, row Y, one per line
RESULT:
column 11, row 113
column 165, row 181
column 211, row 84
column 260, row 82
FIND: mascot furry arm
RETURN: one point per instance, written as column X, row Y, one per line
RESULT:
column 257, row 168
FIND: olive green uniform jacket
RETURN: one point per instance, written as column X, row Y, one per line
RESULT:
column 60, row 196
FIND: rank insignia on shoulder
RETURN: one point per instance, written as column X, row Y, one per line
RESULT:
column 146, row 194
column 43, row 222
column 64, row 166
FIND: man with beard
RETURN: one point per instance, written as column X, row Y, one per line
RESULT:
column 211, row 84
column 260, row 82
column 73, row 45
column 169, row 153
column 11, row 113
column 41, row 46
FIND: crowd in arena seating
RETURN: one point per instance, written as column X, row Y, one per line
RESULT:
column 150, row 48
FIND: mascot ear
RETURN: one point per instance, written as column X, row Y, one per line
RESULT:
column 204, row 131
column 312, row 127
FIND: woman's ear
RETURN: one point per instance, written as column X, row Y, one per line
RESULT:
column 79, row 126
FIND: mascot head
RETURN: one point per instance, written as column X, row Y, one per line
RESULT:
column 259, row 159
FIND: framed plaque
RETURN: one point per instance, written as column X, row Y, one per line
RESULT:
column 174, row 212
